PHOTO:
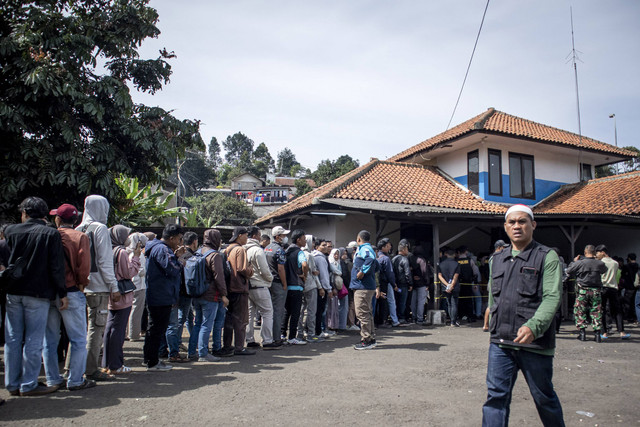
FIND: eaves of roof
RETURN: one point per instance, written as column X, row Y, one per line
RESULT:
column 496, row 122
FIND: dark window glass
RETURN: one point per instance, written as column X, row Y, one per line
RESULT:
column 521, row 176
column 586, row 172
column 473, row 170
column 495, row 173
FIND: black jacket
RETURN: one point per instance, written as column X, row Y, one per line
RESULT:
column 587, row 272
column 41, row 247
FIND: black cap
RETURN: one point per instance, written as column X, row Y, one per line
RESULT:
column 237, row 232
column 499, row 244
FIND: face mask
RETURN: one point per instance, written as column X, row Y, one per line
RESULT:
column 285, row 240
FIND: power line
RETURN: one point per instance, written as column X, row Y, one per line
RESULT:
column 469, row 66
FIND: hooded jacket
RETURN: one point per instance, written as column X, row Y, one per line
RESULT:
column 262, row 276
column 96, row 210
column 214, row 267
column 164, row 273
column 139, row 279
column 323, row 267
column 312, row 282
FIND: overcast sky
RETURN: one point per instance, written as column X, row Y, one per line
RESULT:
column 372, row 78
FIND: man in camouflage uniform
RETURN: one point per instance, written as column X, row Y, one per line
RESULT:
column 588, row 271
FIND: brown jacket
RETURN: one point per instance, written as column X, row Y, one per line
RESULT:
column 77, row 257
column 214, row 267
column 241, row 269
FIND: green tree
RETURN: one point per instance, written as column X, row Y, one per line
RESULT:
column 262, row 161
column 633, row 164
column 286, row 161
column 140, row 207
column 219, row 209
column 302, row 187
column 191, row 174
column 238, row 150
column 328, row 170
column 68, row 126
column 214, row 153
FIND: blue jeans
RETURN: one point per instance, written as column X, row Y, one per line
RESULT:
column 179, row 316
column 418, row 299
column 26, row 320
column 391, row 300
column 452, row 304
column 401, row 302
column 75, row 324
column 502, row 372
column 218, row 325
column 206, row 313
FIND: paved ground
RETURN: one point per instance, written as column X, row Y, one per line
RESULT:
column 416, row 376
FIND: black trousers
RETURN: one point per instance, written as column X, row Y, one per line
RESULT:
column 322, row 304
column 158, row 321
column 292, row 307
column 613, row 297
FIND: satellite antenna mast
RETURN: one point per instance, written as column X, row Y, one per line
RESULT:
column 574, row 59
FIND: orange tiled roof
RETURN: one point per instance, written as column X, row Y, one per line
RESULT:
column 496, row 121
column 613, row 195
column 392, row 182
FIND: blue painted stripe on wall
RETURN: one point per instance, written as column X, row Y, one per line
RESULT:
column 544, row 188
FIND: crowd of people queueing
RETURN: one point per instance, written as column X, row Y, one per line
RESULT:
column 97, row 287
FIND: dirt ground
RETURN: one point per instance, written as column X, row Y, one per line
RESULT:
column 428, row 376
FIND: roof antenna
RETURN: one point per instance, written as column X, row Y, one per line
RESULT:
column 574, row 58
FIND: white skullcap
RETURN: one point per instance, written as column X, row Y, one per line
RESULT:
column 519, row 208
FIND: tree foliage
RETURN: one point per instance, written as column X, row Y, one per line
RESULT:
column 286, row 161
column 238, row 150
column 302, row 187
column 215, row 160
column 69, row 126
column 141, row 207
column 621, row 167
column 219, row 209
column 328, row 170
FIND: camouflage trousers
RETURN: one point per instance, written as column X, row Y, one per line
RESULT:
column 588, row 304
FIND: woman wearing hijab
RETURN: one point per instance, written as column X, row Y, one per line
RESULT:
column 139, row 295
column 119, row 305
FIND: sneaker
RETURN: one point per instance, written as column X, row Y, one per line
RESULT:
column 271, row 346
column 457, row 324
column 625, row 336
column 160, row 367
column 253, row 345
column 395, row 325
column 209, row 358
column 224, row 352
column 244, row 352
column 85, row 384
column 365, row 345
column 314, row 339
column 193, row 357
column 330, row 332
column 296, row 341
column 353, row 328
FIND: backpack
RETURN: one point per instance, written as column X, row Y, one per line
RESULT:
column 227, row 269
column 195, row 274
column 92, row 246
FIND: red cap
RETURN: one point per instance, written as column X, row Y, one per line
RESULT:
column 66, row 212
